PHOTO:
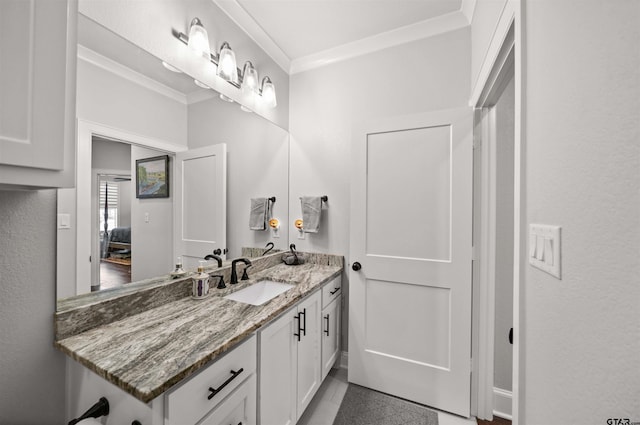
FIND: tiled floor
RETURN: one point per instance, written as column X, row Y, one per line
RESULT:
column 325, row 404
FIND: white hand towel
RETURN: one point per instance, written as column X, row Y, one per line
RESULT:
column 259, row 215
column 311, row 211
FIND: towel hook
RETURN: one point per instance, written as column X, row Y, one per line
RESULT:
column 272, row 199
column 324, row 198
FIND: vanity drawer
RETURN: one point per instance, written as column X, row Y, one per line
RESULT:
column 331, row 291
column 192, row 400
column 238, row 408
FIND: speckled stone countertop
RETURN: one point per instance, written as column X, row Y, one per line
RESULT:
column 147, row 353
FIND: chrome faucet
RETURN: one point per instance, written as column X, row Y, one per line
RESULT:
column 214, row 257
column 234, row 275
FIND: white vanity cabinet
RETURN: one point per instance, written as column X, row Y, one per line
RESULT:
column 331, row 307
column 221, row 393
column 289, row 362
column 38, row 47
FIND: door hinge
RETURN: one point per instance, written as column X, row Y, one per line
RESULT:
column 474, row 256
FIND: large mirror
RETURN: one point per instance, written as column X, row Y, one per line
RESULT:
column 131, row 107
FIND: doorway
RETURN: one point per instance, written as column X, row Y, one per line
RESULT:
column 497, row 233
column 113, row 233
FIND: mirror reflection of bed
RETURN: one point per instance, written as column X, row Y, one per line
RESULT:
column 115, row 262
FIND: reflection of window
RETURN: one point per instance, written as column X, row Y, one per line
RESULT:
column 108, row 191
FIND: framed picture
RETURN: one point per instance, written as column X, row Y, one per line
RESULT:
column 152, row 177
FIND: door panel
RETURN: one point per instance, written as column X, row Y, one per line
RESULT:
column 410, row 304
column 201, row 203
column 418, row 180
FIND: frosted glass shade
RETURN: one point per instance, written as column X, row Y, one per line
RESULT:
column 268, row 93
column 199, row 39
column 227, row 64
column 249, row 79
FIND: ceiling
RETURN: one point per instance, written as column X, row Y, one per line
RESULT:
column 303, row 34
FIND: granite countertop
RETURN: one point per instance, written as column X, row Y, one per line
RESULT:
column 147, row 353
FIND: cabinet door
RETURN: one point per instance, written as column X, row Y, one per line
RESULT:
column 37, row 92
column 309, row 362
column 330, row 335
column 238, row 408
column 278, row 359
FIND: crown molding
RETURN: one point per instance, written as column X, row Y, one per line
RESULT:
column 120, row 70
column 248, row 24
column 428, row 28
column 467, row 8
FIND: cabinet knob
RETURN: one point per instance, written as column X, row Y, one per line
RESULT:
column 356, row 266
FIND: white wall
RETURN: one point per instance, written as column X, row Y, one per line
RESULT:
column 108, row 99
column 257, row 166
column 152, row 241
column 582, row 127
column 32, row 371
column 326, row 102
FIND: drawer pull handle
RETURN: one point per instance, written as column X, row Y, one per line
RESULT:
column 334, row 291
column 215, row 391
column 327, row 330
column 304, row 326
column 297, row 317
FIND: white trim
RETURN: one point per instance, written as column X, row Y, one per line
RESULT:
column 428, row 28
column 85, row 131
column 502, row 401
column 129, row 74
column 505, row 22
column 510, row 22
column 468, row 7
column 249, row 25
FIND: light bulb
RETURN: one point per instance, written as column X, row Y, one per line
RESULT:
column 249, row 78
column 269, row 93
column 199, row 39
column 227, row 64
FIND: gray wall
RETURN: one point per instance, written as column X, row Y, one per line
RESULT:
column 32, row 372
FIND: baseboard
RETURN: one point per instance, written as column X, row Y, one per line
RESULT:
column 344, row 360
column 502, row 403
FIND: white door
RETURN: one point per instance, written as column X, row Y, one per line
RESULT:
column 200, row 203
column 411, row 215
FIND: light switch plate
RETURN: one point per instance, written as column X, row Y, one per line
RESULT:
column 64, row 221
column 545, row 248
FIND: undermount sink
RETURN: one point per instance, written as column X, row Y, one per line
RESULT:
column 260, row 292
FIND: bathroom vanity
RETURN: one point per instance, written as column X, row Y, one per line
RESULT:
column 161, row 357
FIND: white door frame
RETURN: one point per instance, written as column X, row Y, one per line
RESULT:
column 506, row 48
column 86, row 130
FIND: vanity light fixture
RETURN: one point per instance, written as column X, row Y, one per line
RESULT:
column 199, row 39
column 268, row 93
column 227, row 64
column 226, row 68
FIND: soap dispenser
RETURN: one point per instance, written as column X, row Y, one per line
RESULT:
column 200, row 287
column 178, row 271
